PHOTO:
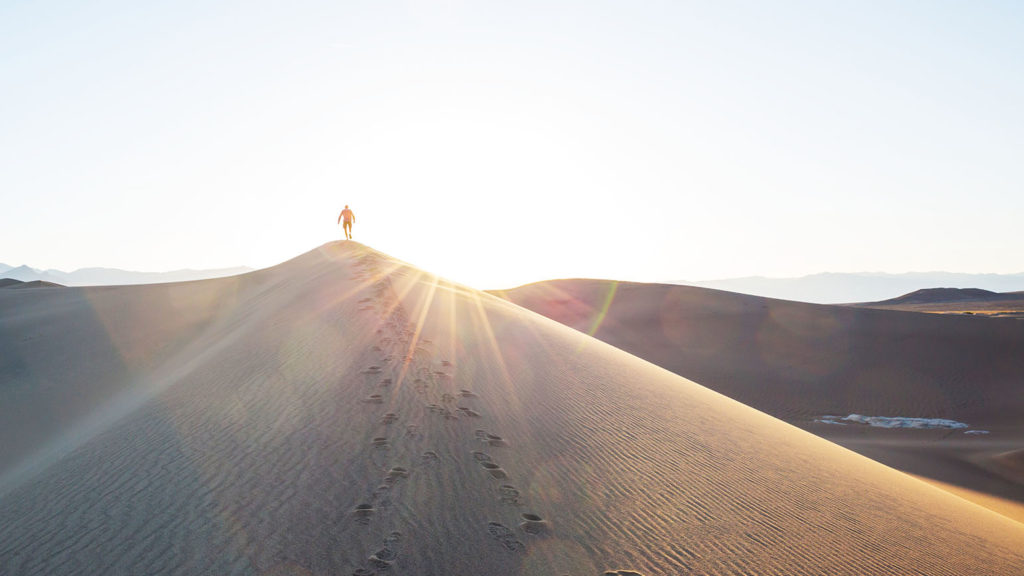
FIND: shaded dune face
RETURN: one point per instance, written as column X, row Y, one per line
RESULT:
column 67, row 352
column 350, row 414
column 806, row 363
column 800, row 361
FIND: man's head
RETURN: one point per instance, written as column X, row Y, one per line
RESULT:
column 346, row 206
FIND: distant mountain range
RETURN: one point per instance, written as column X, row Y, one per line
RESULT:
column 111, row 276
column 839, row 288
column 11, row 283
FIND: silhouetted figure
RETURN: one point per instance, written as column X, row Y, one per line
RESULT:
column 349, row 219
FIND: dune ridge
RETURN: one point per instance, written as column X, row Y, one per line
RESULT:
column 350, row 414
column 816, row 365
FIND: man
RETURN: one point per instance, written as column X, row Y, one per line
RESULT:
column 349, row 219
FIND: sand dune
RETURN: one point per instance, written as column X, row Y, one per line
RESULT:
column 836, row 288
column 935, row 295
column 801, row 361
column 956, row 301
column 343, row 413
column 67, row 352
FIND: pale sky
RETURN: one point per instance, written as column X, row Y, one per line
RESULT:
column 498, row 143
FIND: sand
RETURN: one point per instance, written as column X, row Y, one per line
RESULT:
column 344, row 413
column 801, row 361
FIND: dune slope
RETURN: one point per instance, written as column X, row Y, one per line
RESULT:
column 766, row 352
column 348, row 414
column 67, row 352
column 801, row 361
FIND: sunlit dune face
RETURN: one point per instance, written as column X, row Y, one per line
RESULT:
column 433, row 296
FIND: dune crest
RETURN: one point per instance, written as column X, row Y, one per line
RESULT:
column 350, row 414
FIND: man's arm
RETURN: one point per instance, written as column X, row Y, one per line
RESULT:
column 339, row 217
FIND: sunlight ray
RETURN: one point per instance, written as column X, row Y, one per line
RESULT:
column 400, row 293
column 360, row 286
column 485, row 324
column 425, row 302
column 452, row 323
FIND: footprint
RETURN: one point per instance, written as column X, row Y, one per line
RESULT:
column 382, row 559
column 363, row 513
column 393, row 538
column 412, row 431
column 372, row 370
column 509, row 494
column 364, row 572
column 481, row 456
column 498, row 530
column 397, row 471
column 490, row 439
column 377, row 349
column 381, row 495
column 446, row 364
column 621, row 573
column 467, row 412
column 386, row 382
column 429, row 457
column 447, row 398
column 467, row 394
column 534, row 524
column 438, row 409
column 505, row 536
column 495, row 440
column 373, row 399
column 494, row 470
column 381, row 443
column 389, row 418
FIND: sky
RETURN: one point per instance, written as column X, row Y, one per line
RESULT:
column 500, row 143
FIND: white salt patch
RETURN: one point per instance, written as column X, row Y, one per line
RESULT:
column 904, row 422
column 830, row 420
column 898, row 422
